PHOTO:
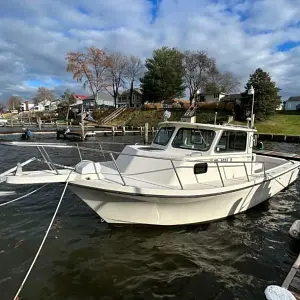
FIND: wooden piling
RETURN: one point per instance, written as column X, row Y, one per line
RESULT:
column 146, row 133
column 123, row 130
column 113, row 131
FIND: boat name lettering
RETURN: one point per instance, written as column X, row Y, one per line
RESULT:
column 222, row 159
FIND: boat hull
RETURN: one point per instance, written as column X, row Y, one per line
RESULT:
column 121, row 208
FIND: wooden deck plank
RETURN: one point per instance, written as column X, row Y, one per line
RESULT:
column 292, row 280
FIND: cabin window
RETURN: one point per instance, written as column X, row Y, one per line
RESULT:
column 163, row 136
column 193, row 139
column 231, row 141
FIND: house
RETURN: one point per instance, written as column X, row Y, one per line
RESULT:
column 78, row 97
column 46, row 105
column 280, row 106
column 89, row 103
column 26, row 106
column 236, row 98
column 124, row 98
column 293, row 103
column 210, row 97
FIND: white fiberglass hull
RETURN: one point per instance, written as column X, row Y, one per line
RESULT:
column 119, row 208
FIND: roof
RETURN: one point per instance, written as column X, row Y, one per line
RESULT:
column 291, row 99
column 211, row 93
column 207, row 126
column 81, row 97
column 231, row 97
column 101, row 96
column 175, row 100
column 137, row 90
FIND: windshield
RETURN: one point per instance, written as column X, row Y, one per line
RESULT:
column 163, row 136
column 193, row 139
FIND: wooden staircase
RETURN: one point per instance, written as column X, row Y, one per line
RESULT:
column 113, row 115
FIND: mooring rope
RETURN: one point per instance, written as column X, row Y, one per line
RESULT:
column 24, row 196
column 44, row 239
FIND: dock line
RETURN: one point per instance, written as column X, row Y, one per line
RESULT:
column 44, row 239
column 24, row 196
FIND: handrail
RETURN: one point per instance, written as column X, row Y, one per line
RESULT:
column 213, row 161
column 176, row 174
column 113, row 159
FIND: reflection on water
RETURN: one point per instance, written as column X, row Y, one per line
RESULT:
column 85, row 259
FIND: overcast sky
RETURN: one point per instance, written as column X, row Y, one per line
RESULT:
column 242, row 35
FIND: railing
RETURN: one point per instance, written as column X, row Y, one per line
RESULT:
column 52, row 165
column 114, row 114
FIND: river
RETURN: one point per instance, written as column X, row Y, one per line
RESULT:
column 86, row 259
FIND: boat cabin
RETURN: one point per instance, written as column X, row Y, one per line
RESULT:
column 203, row 150
column 204, row 138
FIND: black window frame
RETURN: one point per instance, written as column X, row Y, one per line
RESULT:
column 194, row 129
column 228, row 142
column 157, row 134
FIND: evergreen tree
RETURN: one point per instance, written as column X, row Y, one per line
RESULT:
column 266, row 98
column 163, row 79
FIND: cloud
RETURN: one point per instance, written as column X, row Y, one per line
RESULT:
column 242, row 35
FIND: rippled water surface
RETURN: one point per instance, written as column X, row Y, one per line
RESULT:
column 86, row 259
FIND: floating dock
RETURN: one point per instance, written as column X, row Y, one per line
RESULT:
column 278, row 137
column 291, row 156
column 292, row 281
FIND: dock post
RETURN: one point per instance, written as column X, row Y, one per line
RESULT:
column 141, row 130
column 113, row 131
column 146, row 133
column 123, row 130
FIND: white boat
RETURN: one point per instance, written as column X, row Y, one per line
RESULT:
column 3, row 122
column 191, row 173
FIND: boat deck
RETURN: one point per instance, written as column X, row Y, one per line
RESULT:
column 292, row 281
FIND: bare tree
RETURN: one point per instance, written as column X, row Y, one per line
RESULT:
column 14, row 102
column 89, row 68
column 43, row 95
column 229, row 82
column 116, row 74
column 225, row 82
column 134, row 71
column 197, row 67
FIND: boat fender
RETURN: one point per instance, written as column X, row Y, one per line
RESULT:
column 295, row 230
column 275, row 292
column 260, row 145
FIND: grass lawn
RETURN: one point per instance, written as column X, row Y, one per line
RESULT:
column 280, row 124
column 288, row 124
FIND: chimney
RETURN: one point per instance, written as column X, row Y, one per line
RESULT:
column 26, row 106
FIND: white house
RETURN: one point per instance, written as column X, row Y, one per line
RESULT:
column 26, row 106
column 102, row 99
column 46, row 105
column 210, row 97
column 293, row 103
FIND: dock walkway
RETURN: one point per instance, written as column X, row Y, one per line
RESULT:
column 292, row 281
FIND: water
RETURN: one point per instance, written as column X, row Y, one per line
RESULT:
column 86, row 259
